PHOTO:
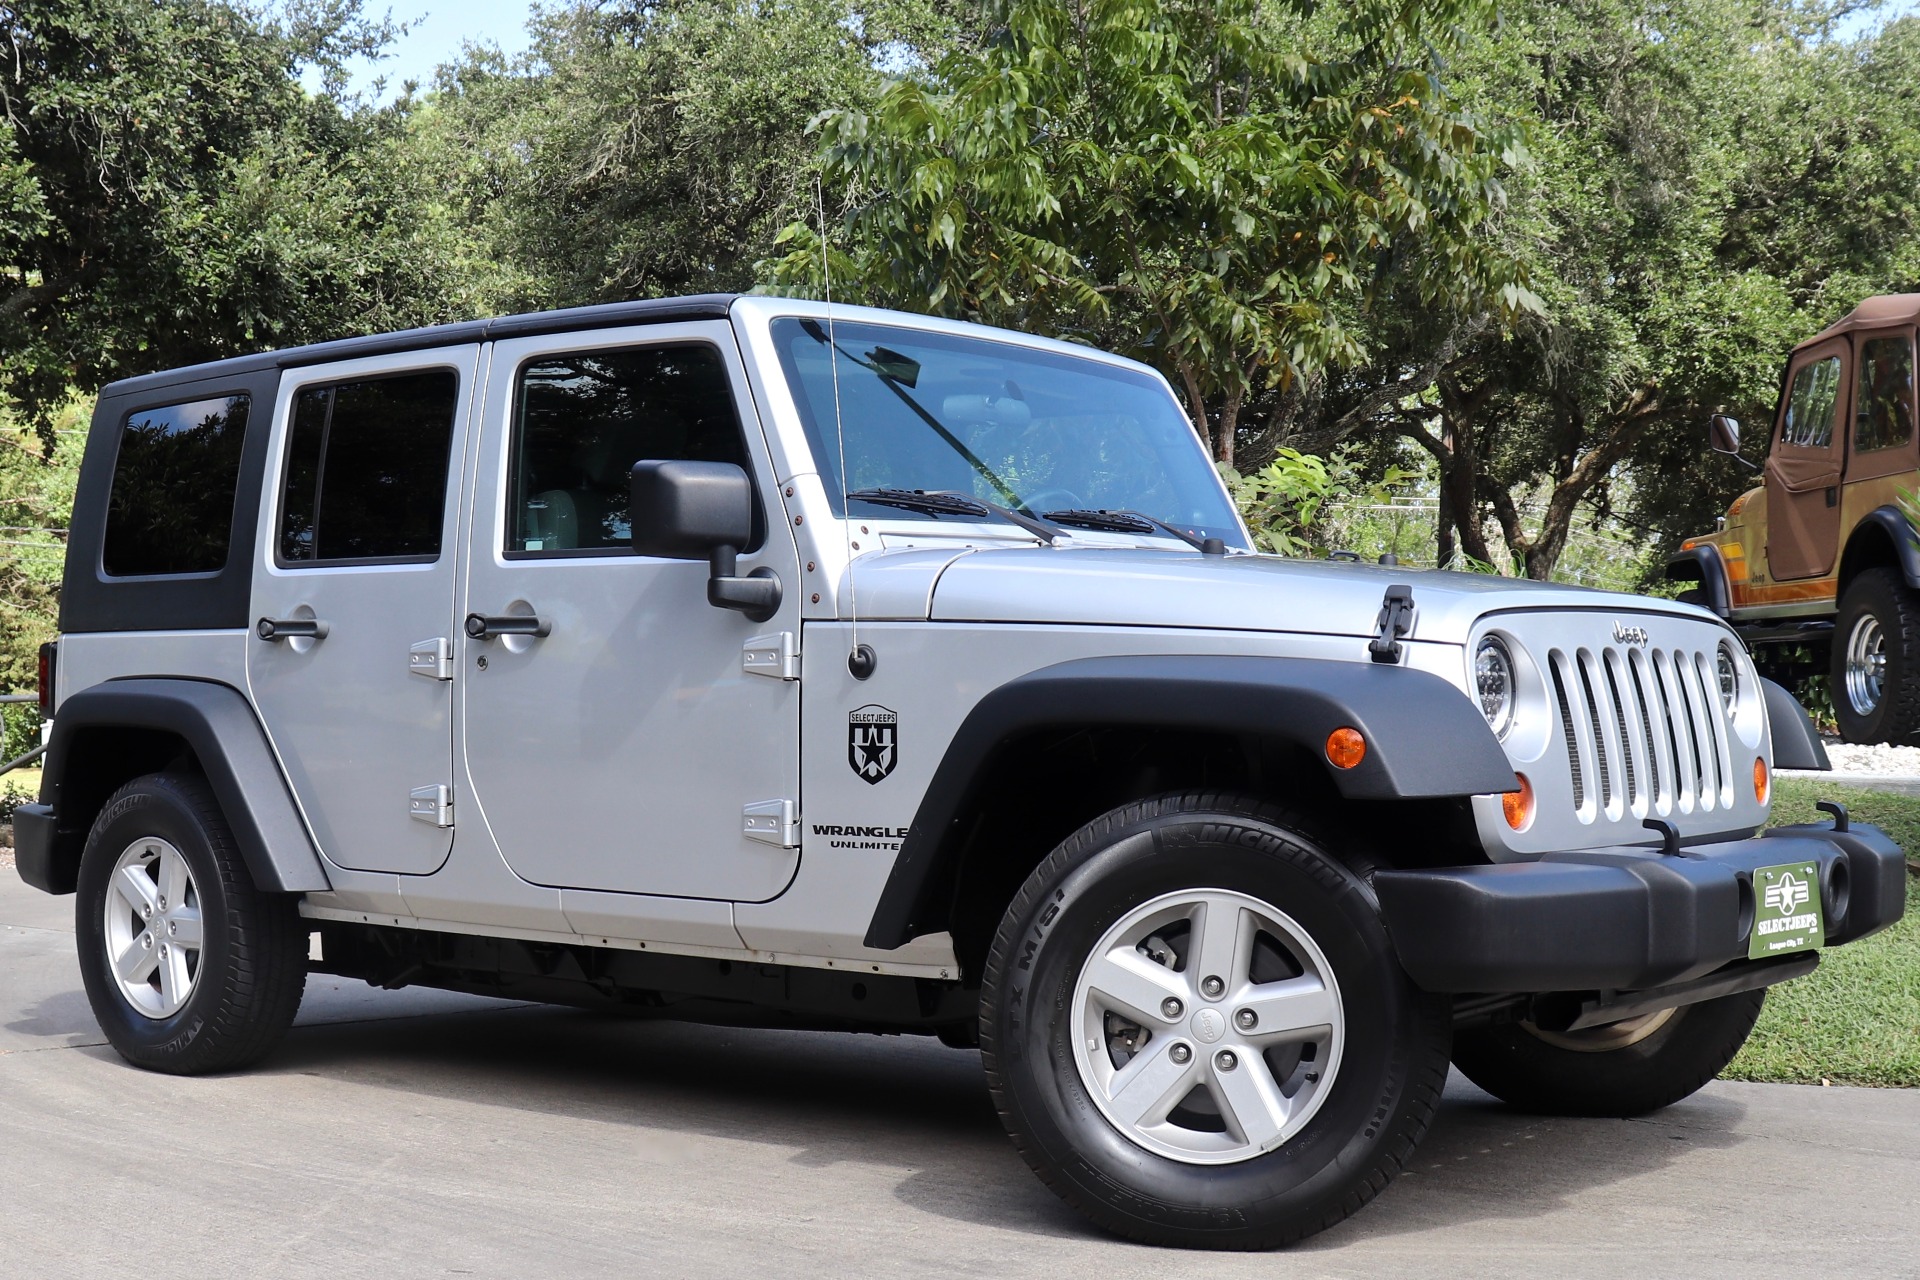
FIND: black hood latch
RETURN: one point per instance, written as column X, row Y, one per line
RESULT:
column 1396, row 620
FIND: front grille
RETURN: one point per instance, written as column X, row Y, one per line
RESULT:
column 1648, row 725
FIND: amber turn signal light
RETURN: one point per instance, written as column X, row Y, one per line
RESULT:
column 1346, row 748
column 1762, row 781
column 1518, row 804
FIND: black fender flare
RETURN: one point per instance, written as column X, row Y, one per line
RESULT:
column 1424, row 739
column 219, row 725
column 1705, row 566
column 1796, row 743
column 1899, row 532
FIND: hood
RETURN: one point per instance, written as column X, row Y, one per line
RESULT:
column 1146, row 587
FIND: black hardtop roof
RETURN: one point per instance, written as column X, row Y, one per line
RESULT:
column 705, row 306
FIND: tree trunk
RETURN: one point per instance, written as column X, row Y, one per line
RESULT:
column 1229, row 424
column 1197, row 406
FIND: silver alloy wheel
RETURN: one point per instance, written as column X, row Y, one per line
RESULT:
column 153, row 931
column 1208, row 1026
column 1866, row 664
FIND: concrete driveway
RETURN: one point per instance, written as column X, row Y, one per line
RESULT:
column 414, row 1133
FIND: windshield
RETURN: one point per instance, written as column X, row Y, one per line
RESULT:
column 1036, row 431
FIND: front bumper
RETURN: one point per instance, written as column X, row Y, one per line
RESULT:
column 1624, row 919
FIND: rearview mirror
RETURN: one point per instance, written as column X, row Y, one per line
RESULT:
column 701, row 510
column 1723, row 434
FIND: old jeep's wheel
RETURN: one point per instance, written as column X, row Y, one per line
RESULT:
column 188, row 968
column 1876, row 659
column 1627, row 1069
column 1197, row 1033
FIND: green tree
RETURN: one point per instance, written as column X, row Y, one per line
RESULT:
column 36, row 501
column 1713, row 180
column 1217, row 188
column 655, row 147
column 169, row 193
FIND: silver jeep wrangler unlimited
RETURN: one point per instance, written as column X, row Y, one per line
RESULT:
column 747, row 660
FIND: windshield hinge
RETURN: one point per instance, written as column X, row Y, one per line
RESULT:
column 1395, row 620
column 777, row 656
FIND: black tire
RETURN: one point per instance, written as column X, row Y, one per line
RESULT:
column 1675, row 1058
column 252, row 963
column 1879, row 597
column 1695, row 595
column 1375, row 1110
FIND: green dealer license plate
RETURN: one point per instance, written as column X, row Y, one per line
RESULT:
column 1786, row 910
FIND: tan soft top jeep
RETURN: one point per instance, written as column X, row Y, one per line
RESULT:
column 1818, row 566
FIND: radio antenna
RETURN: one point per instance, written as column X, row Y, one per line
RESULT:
column 860, row 657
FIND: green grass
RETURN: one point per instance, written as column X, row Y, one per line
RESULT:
column 1856, row 1020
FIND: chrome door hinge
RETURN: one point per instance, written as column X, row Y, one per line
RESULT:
column 432, row 805
column 431, row 658
column 774, row 822
column 777, row 656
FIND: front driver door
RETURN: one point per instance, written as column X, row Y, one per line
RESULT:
column 1803, row 470
column 621, row 750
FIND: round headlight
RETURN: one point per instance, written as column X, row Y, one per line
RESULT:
column 1493, row 683
column 1729, row 673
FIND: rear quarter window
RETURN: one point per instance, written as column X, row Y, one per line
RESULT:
column 174, row 478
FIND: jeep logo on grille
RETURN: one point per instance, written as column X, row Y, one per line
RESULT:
column 1623, row 634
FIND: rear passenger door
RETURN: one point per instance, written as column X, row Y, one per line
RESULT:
column 359, row 517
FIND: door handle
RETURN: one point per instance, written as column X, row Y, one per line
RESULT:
column 481, row 626
column 290, row 629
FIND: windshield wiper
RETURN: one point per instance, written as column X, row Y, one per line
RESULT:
column 942, row 502
column 1134, row 522
column 896, row 373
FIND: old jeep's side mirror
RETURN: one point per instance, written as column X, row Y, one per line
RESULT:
column 702, row 511
column 1723, row 435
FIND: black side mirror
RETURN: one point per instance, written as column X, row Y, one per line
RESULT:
column 702, row 511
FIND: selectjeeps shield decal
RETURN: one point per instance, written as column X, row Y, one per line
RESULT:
column 873, row 746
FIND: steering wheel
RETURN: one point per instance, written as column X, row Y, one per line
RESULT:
column 1050, row 500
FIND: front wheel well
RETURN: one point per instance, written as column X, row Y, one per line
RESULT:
column 1040, row 788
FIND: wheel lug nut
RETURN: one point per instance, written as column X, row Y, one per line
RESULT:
column 163, row 904
column 1180, row 1053
column 173, row 927
column 1171, row 1007
column 146, row 940
column 1212, row 987
column 1225, row 1060
column 1246, row 1019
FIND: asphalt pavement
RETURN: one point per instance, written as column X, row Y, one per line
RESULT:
column 416, row 1133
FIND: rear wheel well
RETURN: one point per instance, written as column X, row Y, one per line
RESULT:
column 1040, row 788
column 101, row 760
column 1869, row 546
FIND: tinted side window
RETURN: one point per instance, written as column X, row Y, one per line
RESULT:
column 366, row 475
column 171, row 510
column 1810, row 405
column 1883, row 396
column 583, row 419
